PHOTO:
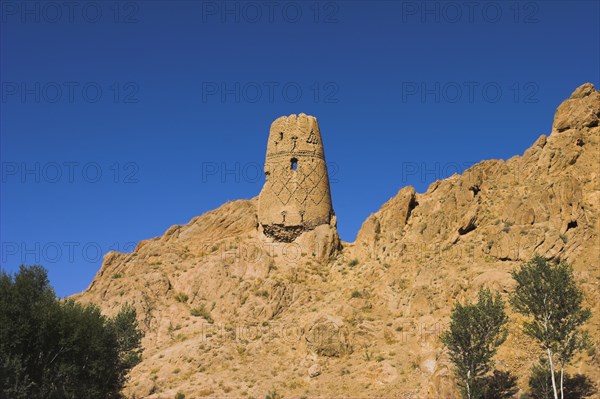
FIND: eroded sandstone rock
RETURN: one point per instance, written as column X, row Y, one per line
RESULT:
column 578, row 111
column 373, row 327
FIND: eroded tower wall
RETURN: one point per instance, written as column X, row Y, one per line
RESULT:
column 296, row 195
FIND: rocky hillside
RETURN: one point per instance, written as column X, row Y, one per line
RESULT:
column 228, row 312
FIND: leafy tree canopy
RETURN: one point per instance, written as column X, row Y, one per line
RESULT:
column 61, row 349
column 476, row 330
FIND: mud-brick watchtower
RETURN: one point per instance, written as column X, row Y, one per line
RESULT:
column 296, row 195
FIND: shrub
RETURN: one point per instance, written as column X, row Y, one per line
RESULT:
column 507, row 226
column 263, row 293
column 202, row 312
column 353, row 262
column 356, row 294
column 182, row 297
column 179, row 395
column 273, row 395
column 540, row 383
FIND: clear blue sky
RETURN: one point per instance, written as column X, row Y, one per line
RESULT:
column 120, row 121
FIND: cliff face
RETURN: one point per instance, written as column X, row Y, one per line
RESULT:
column 545, row 201
column 230, row 312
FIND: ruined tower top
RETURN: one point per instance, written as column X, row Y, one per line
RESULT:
column 296, row 196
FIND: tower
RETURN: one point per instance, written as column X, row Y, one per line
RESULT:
column 296, row 196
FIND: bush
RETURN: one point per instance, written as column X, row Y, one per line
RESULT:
column 356, row 294
column 202, row 312
column 540, row 383
column 182, row 297
column 263, row 293
column 179, row 395
column 353, row 262
column 61, row 349
column 273, row 395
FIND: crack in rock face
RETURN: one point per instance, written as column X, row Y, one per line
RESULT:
column 296, row 195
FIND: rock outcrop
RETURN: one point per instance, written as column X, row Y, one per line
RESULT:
column 543, row 202
column 230, row 311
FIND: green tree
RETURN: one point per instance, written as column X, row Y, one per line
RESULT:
column 128, row 336
column 547, row 293
column 476, row 330
column 60, row 349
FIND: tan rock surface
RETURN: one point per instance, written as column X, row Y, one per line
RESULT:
column 244, row 314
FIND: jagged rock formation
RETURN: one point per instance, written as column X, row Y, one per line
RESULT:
column 296, row 196
column 537, row 203
column 245, row 313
